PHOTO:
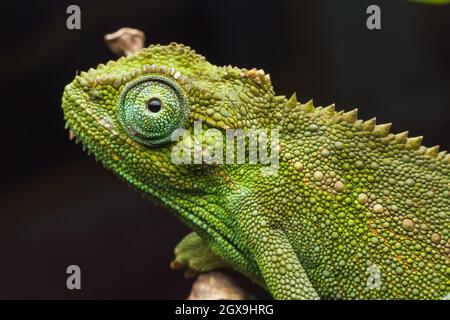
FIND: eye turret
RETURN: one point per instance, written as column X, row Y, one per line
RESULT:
column 151, row 108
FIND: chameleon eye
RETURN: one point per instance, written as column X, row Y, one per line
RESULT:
column 151, row 108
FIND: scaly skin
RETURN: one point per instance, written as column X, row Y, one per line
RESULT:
column 348, row 197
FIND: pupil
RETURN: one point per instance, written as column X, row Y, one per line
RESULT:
column 154, row 105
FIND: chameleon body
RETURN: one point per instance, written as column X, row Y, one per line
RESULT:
column 351, row 212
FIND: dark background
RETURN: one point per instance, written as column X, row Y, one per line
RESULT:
column 59, row 207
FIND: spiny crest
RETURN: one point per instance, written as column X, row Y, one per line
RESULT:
column 432, row 151
column 308, row 107
column 414, row 143
column 401, row 137
column 382, row 130
column 292, row 103
column 329, row 111
column 378, row 130
column 369, row 125
column 350, row 116
column 443, row 156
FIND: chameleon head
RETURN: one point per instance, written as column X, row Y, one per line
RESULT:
column 126, row 111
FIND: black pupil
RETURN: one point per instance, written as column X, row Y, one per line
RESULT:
column 154, row 105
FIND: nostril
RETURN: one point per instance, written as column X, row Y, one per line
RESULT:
column 154, row 105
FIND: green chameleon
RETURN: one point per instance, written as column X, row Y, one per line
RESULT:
column 350, row 211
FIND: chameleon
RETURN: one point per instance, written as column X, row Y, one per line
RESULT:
column 350, row 211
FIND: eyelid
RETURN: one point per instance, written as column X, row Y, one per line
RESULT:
column 158, row 128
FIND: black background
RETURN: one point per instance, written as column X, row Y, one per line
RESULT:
column 59, row 207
